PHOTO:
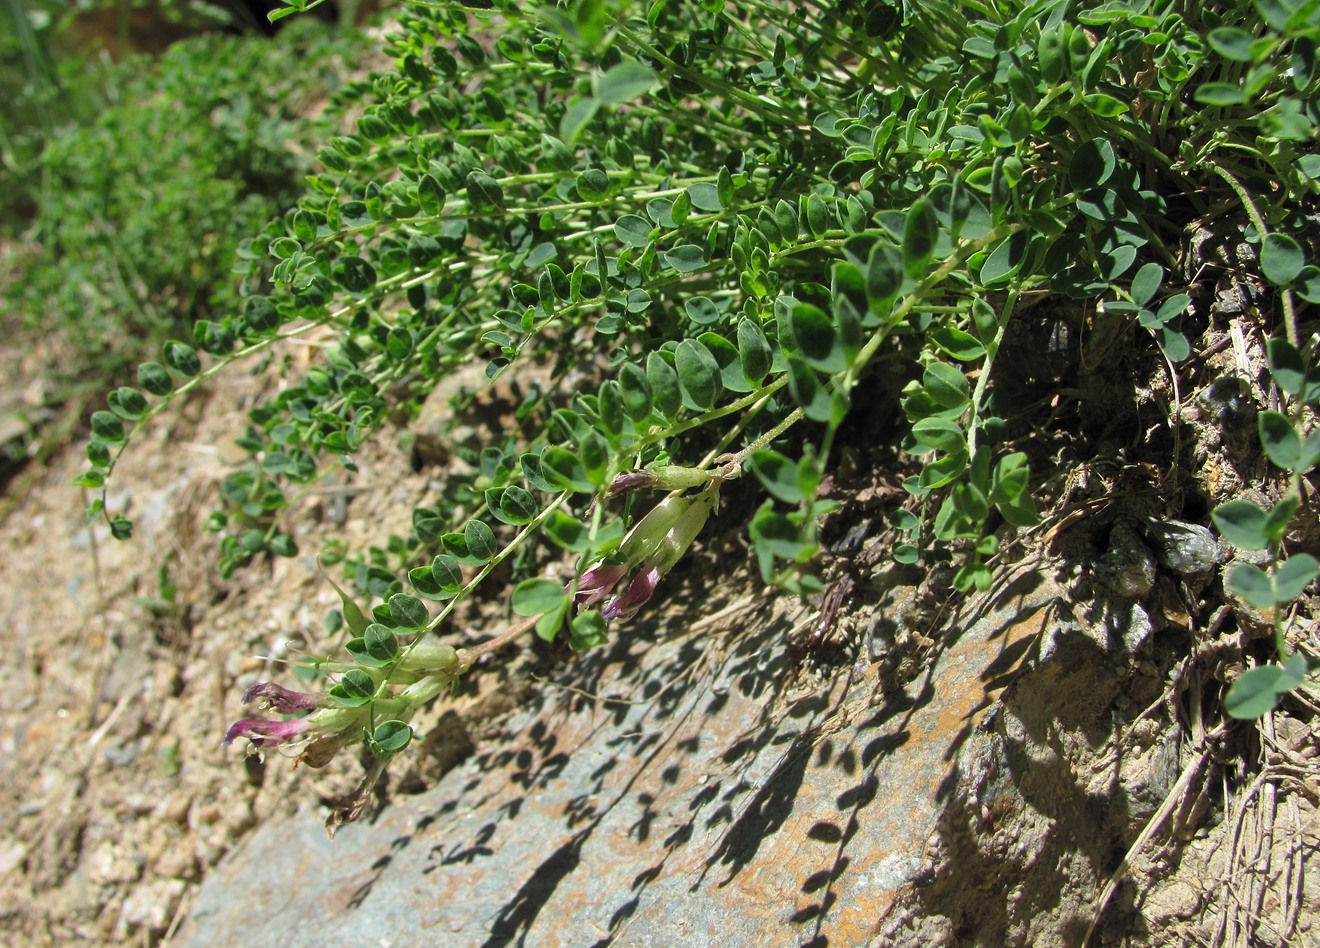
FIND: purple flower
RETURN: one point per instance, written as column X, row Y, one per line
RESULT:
column 282, row 700
column 595, row 584
column 639, row 591
column 649, row 550
column 267, row 733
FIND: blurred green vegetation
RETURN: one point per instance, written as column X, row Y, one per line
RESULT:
column 126, row 186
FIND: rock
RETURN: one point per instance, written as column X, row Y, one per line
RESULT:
column 12, row 854
column 1127, row 566
column 175, row 858
column 108, row 865
column 694, row 801
column 1127, row 622
column 150, row 906
column 175, row 807
column 1184, row 548
column 132, row 665
column 1292, row 733
column 433, row 428
column 1258, row 558
column 1146, row 784
column 1227, row 402
column 123, row 755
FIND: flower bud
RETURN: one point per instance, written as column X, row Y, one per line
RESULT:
column 428, row 656
column 686, row 527
column 660, row 477
column 320, row 750
column 647, row 534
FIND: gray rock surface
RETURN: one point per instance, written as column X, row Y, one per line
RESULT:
column 699, row 800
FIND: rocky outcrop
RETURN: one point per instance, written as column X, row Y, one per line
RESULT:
column 682, row 790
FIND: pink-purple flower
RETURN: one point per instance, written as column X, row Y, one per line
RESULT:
column 263, row 733
column 639, row 591
column 281, row 700
column 649, row 551
column 596, row 584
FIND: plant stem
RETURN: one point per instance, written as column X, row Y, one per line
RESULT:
column 788, row 421
column 528, row 529
column 990, row 351
column 467, row 657
column 1289, row 307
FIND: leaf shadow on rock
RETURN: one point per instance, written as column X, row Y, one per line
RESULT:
column 868, row 746
column 646, row 695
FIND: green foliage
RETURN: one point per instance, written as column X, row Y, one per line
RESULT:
column 31, row 89
column 293, row 6
column 711, row 223
column 140, row 208
column 1258, row 691
column 1245, row 524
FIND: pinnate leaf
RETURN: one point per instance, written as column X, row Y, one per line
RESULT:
column 698, row 374
column 408, row 612
column 391, row 737
column 666, row 395
column 754, row 351
column 635, row 389
column 1294, row 575
column 1282, row 444
column 1257, row 691
column 633, row 230
column 1006, row 259
column 920, row 231
column 1092, row 164
column 817, row 338
column 777, row 474
column 946, row 384
column 686, row 258
column 961, row 345
column 1291, row 372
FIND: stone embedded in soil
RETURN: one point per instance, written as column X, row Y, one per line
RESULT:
column 109, row 865
column 12, row 855
column 151, row 906
column 1184, row 548
column 1127, row 566
column 1117, row 626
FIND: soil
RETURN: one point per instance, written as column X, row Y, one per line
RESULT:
column 127, row 660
